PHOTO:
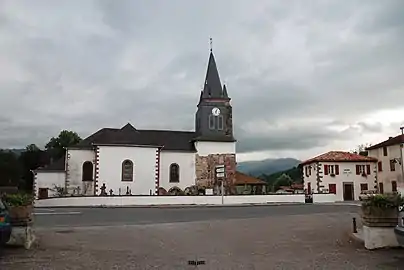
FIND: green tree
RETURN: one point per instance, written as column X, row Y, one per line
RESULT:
column 283, row 180
column 361, row 149
column 56, row 146
column 29, row 160
column 10, row 169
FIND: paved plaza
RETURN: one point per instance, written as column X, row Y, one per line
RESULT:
column 272, row 237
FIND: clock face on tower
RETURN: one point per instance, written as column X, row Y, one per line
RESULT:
column 216, row 111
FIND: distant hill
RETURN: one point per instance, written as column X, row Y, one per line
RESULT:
column 267, row 166
column 15, row 151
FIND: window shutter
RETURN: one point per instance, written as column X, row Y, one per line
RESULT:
column 336, row 169
column 379, row 166
column 305, row 170
column 358, row 170
column 326, row 169
column 368, row 169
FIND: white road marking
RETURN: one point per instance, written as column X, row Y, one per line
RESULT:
column 44, row 209
column 59, row 213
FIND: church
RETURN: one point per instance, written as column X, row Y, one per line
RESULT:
column 130, row 161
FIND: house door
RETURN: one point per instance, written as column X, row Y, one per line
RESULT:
column 43, row 193
column 348, row 192
column 381, row 188
column 309, row 188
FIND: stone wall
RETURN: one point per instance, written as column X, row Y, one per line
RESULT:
column 205, row 171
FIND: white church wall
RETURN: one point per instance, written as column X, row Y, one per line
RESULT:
column 169, row 200
column 208, row 148
column 110, row 169
column 49, row 180
column 186, row 163
column 76, row 159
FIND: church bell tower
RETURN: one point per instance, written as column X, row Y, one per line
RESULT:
column 214, row 140
column 214, row 121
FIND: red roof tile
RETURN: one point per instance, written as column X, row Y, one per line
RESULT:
column 243, row 179
column 339, row 156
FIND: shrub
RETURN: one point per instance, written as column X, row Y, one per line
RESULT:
column 384, row 201
column 18, row 199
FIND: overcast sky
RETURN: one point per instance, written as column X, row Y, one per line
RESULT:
column 304, row 76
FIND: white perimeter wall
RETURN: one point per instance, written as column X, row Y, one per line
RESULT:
column 49, row 180
column 75, row 161
column 207, row 148
column 324, row 198
column 110, row 169
column 186, row 162
column 169, row 200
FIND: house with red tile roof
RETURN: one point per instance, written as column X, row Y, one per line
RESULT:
column 389, row 172
column 342, row 173
column 248, row 185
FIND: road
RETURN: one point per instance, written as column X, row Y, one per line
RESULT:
column 260, row 237
column 78, row 217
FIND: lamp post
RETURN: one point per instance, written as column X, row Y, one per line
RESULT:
column 401, row 156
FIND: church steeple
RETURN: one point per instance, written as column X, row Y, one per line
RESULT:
column 214, row 120
column 212, row 87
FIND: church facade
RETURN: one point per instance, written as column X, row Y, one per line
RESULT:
column 129, row 161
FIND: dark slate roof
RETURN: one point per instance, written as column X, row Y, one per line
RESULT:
column 128, row 135
column 58, row 165
column 212, row 87
column 391, row 141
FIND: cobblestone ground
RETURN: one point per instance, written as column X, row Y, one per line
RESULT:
column 319, row 241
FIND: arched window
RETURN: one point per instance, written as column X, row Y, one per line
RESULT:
column 127, row 170
column 174, row 173
column 87, row 174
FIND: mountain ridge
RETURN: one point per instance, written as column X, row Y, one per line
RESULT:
column 267, row 166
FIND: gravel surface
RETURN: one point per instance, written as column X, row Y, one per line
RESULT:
column 316, row 241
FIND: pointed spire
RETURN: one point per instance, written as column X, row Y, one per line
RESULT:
column 225, row 95
column 213, row 86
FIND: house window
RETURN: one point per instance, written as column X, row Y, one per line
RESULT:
column 307, row 170
column 127, row 171
column 381, row 188
column 364, row 187
column 385, row 151
column 332, row 188
column 331, row 169
column 174, row 173
column 394, row 186
column 87, row 171
column 363, row 169
column 379, row 166
column 392, row 165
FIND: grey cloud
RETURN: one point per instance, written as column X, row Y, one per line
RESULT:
column 371, row 127
column 98, row 63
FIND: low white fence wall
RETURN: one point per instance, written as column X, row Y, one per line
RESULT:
column 324, row 198
column 168, row 200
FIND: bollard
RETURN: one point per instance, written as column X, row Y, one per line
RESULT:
column 354, row 225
